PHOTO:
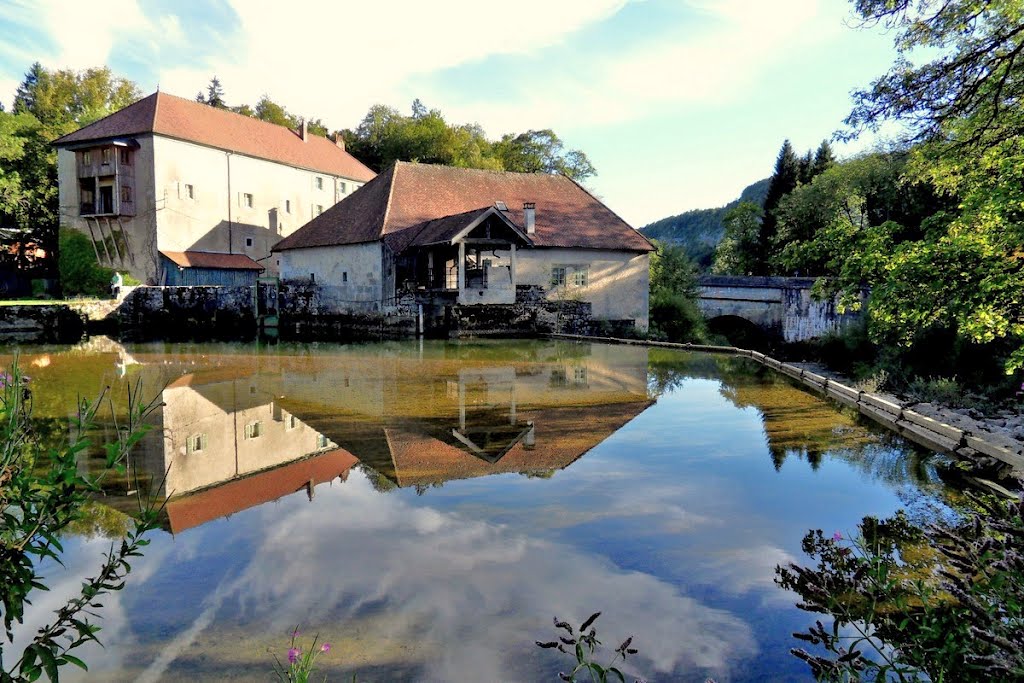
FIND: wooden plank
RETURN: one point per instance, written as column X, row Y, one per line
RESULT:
column 947, row 431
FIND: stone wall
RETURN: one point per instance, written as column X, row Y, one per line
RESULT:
column 532, row 313
column 188, row 313
column 40, row 324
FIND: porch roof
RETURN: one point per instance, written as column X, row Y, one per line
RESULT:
column 447, row 229
column 208, row 259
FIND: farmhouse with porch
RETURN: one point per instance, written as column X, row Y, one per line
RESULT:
column 455, row 238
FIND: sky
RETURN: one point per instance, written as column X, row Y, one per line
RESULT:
column 679, row 104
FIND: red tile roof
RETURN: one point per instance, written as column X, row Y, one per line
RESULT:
column 207, row 259
column 183, row 119
column 411, row 194
column 248, row 491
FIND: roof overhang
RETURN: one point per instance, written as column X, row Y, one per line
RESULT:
column 120, row 141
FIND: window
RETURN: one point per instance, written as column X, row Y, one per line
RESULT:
column 581, row 276
column 344, row 276
column 248, row 241
column 87, row 158
column 287, row 206
column 105, row 155
column 292, row 422
column 126, row 194
column 558, row 276
column 106, row 199
column 254, row 430
column 189, row 192
column 247, row 200
column 319, row 183
column 126, row 157
column 344, row 188
column 318, row 209
column 195, row 443
column 322, row 441
column 579, row 374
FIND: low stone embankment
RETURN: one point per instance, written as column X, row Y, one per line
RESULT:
column 941, row 429
column 40, row 324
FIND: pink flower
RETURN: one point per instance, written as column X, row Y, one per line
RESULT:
column 326, row 647
column 837, row 536
column 293, row 655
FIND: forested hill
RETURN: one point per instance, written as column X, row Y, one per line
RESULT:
column 700, row 230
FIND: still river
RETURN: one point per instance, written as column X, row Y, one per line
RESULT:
column 428, row 507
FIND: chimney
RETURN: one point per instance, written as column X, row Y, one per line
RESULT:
column 303, row 130
column 339, row 141
column 529, row 217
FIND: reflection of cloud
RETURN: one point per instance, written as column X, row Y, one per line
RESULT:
column 83, row 557
column 469, row 592
column 742, row 570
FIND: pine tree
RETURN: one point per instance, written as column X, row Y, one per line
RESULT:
column 200, row 97
column 823, row 158
column 806, row 167
column 25, row 97
column 783, row 181
column 215, row 94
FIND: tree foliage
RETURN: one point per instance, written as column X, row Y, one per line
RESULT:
column 385, row 135
column 736, row 253
column 47, row 105
column 673, row 287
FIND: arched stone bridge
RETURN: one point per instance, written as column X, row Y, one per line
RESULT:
column 782, row 307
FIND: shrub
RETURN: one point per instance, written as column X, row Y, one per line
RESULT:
column 675, row 317
column 79, row 272
column 943, row 602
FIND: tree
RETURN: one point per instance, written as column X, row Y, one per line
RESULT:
column 673, row 309
column 974, row 73
column 50, row 104
column 962, row 106
column 268, row 110
column 540, row 151
column 824, row 158
column 215, row 94
column 783, row 181
column 736, row 252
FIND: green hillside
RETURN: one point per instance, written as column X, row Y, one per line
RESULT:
column 699, row 230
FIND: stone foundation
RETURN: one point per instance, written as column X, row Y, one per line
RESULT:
column 188, row 313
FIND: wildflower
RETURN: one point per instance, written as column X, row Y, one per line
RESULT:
column 293, row 655
column 837, row 536
column 296, row 633
column 326, row 647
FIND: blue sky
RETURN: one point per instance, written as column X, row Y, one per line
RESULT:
column 678, row 103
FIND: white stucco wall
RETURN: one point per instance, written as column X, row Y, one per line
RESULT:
column 618, row 281
column 350, row 276
column 284, row 198
column 218, row 218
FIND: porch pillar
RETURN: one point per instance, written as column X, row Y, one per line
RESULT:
column 462, row 268
column 512, row 266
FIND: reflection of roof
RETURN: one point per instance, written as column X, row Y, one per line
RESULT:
column 209, row 259
column 562, row 436
column 184, row 119
column 246, row 492
column 409, row 194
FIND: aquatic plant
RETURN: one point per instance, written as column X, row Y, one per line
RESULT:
column 300, row 664
column 41, row 495
column 939, row 602
column 583, row 644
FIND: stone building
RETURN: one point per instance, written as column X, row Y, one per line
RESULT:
column 462, row 237
column 166, row 186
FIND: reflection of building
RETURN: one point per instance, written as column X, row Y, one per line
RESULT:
column 427, row 421
column 229, row 441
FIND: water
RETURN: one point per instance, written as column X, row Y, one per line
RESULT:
column 427, row 508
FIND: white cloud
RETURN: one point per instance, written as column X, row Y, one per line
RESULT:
column 334, row 63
